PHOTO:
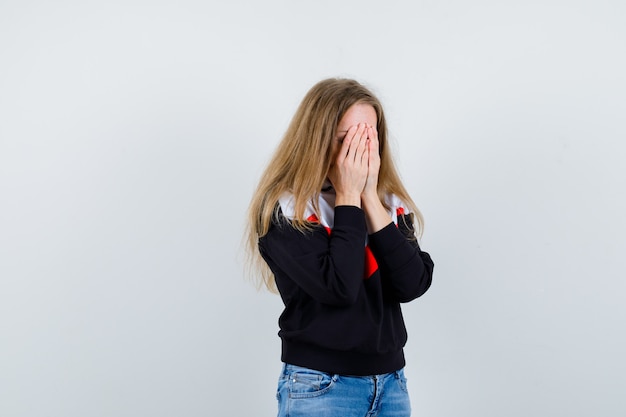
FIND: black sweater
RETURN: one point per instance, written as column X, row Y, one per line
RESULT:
column 342, row 301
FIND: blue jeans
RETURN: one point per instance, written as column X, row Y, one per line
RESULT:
column 304, row 392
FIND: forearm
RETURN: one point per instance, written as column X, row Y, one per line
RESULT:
column 376, row 215
column 407, row 269
column 327, row 266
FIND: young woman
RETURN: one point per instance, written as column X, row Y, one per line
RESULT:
column 334, row 232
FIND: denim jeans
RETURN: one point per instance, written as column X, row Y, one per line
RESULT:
column 304, row 392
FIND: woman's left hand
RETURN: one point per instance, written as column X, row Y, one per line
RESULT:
column 371, row 185
column 376, row 215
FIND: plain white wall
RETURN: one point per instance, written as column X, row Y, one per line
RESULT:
column 131, row 138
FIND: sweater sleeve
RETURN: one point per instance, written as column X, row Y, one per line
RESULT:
column 328, row 266
column 407, row 270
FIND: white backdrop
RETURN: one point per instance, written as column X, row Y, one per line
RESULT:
column 133, row 133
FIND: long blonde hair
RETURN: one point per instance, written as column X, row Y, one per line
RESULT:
column 301, row 162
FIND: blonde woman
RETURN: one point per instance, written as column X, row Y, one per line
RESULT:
column 334, row 232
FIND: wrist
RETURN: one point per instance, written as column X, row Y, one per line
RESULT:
column 370, row 199
column 376, row 215
column 348, row 199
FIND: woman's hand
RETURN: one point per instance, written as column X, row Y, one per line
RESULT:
column 376, row 216
column 373, row 163
column 349, row 172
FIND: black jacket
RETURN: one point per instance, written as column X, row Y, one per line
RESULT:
column 342, row 299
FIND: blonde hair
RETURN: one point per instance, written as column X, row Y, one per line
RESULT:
column 301, row 162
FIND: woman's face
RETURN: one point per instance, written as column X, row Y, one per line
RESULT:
column 357, row 113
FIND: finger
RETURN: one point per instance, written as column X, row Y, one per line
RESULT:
column 345, row 146
column 367, row 155
column 375, row 129
column 362, row 149
column 374, row 147
column 373, row 135
column 355, row 143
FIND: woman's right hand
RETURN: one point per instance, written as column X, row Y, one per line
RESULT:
column 348, row 173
